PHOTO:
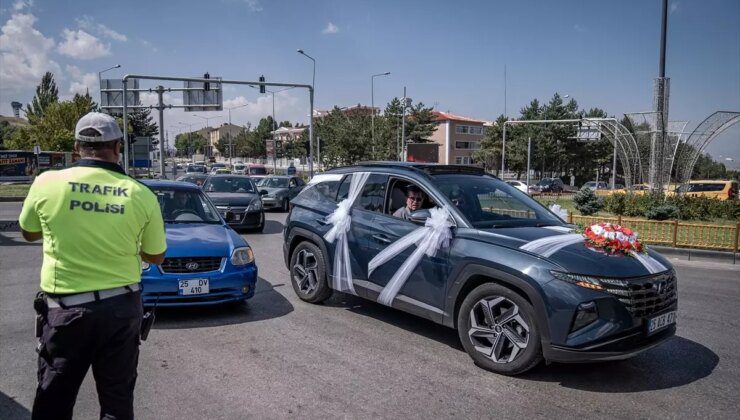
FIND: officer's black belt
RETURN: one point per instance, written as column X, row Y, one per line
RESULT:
column 82, row 298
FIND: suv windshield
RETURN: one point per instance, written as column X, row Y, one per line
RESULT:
column 545, row 182
column 257, row 170
column 273, row 182
column 228, row 184
column 487, row 202
column 185, row 206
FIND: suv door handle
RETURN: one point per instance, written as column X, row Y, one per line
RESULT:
column 382, row 238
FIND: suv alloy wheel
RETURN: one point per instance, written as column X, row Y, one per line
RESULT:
column 308, row 273
column 497, row 328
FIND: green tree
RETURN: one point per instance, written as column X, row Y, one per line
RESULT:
column 6, row 133
column 54, row 130
column 489, row 153
column 189, row 143
column 141, row 123
column 46, row 94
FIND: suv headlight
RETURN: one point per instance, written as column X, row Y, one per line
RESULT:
column 242, row 256
column 255, row 205
column 588, row 282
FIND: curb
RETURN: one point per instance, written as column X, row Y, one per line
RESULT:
column 693, row 254
column 12, row 199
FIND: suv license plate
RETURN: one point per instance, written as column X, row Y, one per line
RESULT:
column 661, row 321
column 192, row 287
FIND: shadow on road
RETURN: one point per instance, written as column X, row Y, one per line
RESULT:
column 265, row 304
column 7, row 240
column 408, row 322
column 677, row 362
column 11, row 410
column 272, row 226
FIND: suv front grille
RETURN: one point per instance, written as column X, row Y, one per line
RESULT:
column 191, row 265
column 645, row 296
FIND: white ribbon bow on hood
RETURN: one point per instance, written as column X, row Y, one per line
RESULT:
column 429, row 238
column 341, row 221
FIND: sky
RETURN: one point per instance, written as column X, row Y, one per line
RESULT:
column 450, row 55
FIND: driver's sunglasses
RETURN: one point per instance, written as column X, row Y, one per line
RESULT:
column 416, row 199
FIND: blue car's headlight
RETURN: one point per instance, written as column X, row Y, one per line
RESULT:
column 255, row 205
column 145, row 266
column 242, row 256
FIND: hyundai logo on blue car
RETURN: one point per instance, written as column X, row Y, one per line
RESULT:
column 206, row 263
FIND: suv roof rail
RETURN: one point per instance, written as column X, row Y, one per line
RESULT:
column 429, row 168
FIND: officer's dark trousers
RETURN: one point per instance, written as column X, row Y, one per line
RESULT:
column 102, row 334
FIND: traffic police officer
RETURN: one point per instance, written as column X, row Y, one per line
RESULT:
column 97, row 226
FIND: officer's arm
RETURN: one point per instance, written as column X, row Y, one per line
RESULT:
column 152, row 258
column 31, row 236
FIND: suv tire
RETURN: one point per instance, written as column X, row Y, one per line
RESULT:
column 509, row 344
column 308, row 273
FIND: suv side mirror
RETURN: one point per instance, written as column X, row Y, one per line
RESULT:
column 264, row 192
column 420, row 216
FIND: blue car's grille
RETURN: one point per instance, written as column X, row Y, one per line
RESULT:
column 191, row 264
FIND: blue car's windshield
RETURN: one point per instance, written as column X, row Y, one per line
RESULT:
column 273, row 182
column 185, row 206
column 229, row 184
column 487, row 202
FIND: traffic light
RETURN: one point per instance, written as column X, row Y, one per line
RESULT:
column 262, row 87
column 206, row 85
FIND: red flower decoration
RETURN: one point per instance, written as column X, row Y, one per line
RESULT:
column 613, row 238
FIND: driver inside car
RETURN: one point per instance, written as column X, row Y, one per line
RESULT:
column 414, row 201
column 179, row 203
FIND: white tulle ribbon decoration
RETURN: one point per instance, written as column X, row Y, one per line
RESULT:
column 435, row 234
column 559, row 211
column 341, row 220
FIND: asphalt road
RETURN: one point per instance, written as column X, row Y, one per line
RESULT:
column 279, row 357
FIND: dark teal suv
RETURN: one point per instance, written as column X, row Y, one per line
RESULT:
column 514, row 279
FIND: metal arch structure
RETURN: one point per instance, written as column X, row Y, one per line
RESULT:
column 624, row 144
column 700, row 138
column 646, row 130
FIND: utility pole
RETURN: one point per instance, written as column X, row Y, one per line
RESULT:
column 160, row 108
column 529, row 154
column 404, row 104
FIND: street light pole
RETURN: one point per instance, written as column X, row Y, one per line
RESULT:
column 231, row 150
column 310, row 121
column 372, row 104
column 100, row 79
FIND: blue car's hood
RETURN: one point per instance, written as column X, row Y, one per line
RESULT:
column 576, row 257
column 201, row 240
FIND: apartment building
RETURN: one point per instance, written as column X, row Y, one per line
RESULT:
column 223, row 132
column 458, row 137
column 283, row 135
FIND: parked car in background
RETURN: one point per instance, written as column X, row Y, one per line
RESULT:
column 239, row 169
column 217, row 166
column 220, row 171
column 206, row 263
column 255, row 170
column 719, row 189
column 194, row 178
column 552, row 185
column 196, row 169
column 519, row 185
column 277, row 191
column 593, row 185
column 515, row 281
column 237, row 200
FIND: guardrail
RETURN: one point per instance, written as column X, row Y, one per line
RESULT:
column 672, row 232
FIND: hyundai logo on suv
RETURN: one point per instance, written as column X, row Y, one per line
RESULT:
column 192, row 266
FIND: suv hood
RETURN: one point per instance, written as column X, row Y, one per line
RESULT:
column 232, row 199
column 201, row 240
column 575, row 257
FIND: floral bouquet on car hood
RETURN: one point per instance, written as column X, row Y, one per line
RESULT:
column 613, row 238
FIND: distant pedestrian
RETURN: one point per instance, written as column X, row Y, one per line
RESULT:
column 97, row 225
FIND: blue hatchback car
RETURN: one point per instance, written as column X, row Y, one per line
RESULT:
column 206, row 261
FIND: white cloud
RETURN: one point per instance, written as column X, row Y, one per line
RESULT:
column 24, row 53
column 22, row 4
column 81, row 83
column 330, row 29
column 254, row 5
column 80, row 44
column 87, row 22
column 673, row 7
